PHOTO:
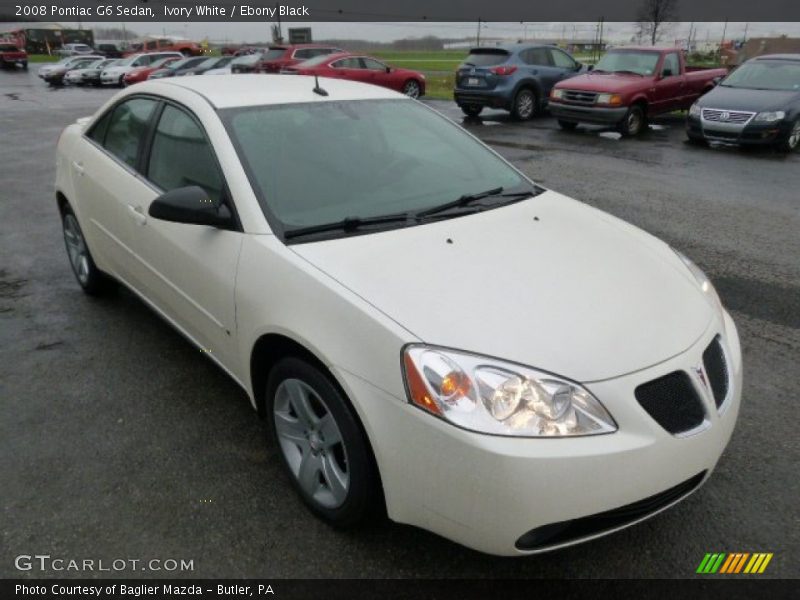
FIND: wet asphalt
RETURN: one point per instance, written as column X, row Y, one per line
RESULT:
column 119, row 440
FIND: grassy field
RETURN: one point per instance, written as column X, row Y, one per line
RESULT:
column 42, row 58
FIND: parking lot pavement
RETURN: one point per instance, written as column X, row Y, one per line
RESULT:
column 118, row 439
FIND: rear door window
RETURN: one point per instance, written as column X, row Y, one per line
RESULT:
column 486, row 57
column 536, row 56
column 127, row 128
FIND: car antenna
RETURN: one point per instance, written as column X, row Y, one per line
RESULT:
column 317, row 89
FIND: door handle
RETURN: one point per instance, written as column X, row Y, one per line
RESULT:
column 78, row 167
column 137, row 214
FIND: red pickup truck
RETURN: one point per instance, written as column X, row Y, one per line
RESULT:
column 627, row 86
column 11, row 56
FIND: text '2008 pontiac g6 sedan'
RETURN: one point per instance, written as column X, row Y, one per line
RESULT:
column 426, row 331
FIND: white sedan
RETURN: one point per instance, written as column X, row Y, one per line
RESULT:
column 425, row 330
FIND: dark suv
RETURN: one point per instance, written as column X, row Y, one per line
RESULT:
column 516, row 78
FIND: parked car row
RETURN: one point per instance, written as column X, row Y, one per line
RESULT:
column 758, row 103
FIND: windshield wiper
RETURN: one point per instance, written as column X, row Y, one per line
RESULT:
column 467, row 199
column 346, row 224
column 628, row 71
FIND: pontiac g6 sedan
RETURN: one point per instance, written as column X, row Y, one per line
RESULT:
column 426, row 331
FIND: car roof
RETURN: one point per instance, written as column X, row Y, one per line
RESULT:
column 778, row 57
column 246, row 89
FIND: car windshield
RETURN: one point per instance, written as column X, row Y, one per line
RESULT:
column 125, row 62
column 273, row 54
column 486, row 57
column 643, row 63
column 208, row 63
column 766, row 75
column 179, row 64
column 317, row 60
column 161, row 62
column 322, row 162
column 249, row 59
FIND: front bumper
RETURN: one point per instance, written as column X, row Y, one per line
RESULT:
column 598, row 115
column 498, row 494
column 753, row 133
column 111, row 78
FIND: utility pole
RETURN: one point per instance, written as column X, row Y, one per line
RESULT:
column 722, row 41
column 478, row 37
column 600, row 41
column 746, row 25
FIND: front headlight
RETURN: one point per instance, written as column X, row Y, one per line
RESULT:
column 695, row 110
column 492, row 396
column 770, row 117
column 702, row 280
column 609, row 99
column 556, row 94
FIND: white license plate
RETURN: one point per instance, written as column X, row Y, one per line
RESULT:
column 472, row 81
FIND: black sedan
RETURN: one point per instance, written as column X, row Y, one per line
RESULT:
column 758, row 103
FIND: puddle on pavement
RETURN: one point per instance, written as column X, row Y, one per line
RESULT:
column 610, row 135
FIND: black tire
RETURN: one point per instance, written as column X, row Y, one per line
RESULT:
column 634, row 122
column 792, row 141
column 363, row 496
column 471, row 110
column 567, row 125
column 412, row 88
column 696, row 140
column 121, row 82
column 91, row 279
column 525, row 105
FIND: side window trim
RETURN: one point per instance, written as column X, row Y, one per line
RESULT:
column 147, row 146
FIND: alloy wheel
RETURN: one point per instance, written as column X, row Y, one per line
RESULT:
column 311, row 443
column 411, row 89
column 525, row 105
column 76, row 249
column 794, row 136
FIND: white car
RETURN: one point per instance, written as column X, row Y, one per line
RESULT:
column 113, row 75
column 63, row 64
column 219, row 71
column 75, row 50
column 78, row 76
column 422, row 326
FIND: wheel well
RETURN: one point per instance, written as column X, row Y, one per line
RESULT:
column 642, row 103
column 271, row 348
column 62, row 202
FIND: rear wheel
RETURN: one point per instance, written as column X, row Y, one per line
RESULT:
column 471, row 110
column 567, row 125
column 633, row 122
column 90, row 278
column 525, row 104
column 321, row 444
column 411, row 88
column 792, row 140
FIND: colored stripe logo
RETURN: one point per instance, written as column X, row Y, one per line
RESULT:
column 734, row 563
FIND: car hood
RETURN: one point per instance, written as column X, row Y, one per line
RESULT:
column 602, row 82
column 729, row 98
column 549, row 282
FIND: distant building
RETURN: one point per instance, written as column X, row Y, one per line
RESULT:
column 776, row 45
column 44, row 38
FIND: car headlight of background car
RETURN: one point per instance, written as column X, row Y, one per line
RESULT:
column 557, row 94
column 614, row 99
column 770, row 117
column 695, row 110
column 492, row 396
column 702, row 280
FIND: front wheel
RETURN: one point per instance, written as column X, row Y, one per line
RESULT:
column 412, row 88
column 793, row 139
column 524, row 107
column 633, row 123
column 90, row 278
column 321, row 444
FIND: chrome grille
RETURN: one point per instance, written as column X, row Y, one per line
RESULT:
column 579, row 97
column 735, row 117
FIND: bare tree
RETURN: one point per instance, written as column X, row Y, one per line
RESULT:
column 654, row 17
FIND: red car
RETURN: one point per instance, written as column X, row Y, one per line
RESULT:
column 276, row 58
column 362, row 68
column 142, row 73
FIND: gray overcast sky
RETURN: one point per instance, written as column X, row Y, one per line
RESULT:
column 386, row 32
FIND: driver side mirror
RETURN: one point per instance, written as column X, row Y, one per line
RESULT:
column 578, row 66
column 388, row 69
column 191, row 205
column 590, row 68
